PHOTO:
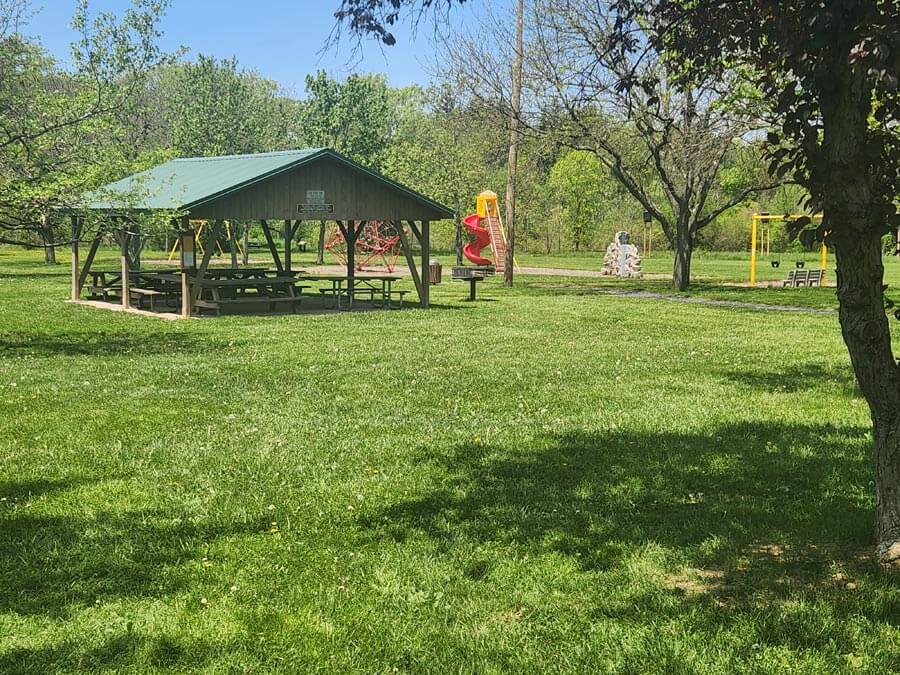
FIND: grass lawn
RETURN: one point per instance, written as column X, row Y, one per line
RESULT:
column 539, row 481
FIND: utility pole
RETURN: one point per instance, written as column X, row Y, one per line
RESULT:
column 515, row 110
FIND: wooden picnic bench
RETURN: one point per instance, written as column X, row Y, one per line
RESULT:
column 215, row 294
column 147, row 283
column 382, row 297
column 150, row 294
column 376, row 288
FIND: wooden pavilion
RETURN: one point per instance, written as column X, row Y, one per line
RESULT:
column 291, row 187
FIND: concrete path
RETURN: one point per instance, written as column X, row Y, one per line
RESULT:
column 691, row 299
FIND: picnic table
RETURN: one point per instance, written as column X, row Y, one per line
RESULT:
column 374, row 287
column 145, row 284
column 221, row 287
column 248, row 286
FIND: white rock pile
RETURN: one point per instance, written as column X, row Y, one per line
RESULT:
column 622, row 259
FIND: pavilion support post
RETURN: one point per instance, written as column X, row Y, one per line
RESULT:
column 187, row 306
column 350, row 241
column 76, row 262
column 320, row 249
column 246, row 251
column 295, row 228
column 351, row 234
column 126, row 267
column 136, row 245
column 410, row 259
column 425, row 297
column 181, row 226
column 232, row 244
column 415, row 231
column 95, row 246
column 201, row 271
column 288, row 236
column 272, row 248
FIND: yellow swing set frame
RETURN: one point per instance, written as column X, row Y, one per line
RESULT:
column 198, row 232
column 763, row 236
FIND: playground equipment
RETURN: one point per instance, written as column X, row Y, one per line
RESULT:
column 622, row 259
column 482, row 240
column 198, row 226
column 763, row 237
column 487, row 227
column 376, row 241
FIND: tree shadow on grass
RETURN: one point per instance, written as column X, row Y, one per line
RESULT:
column 757, row 509
column 103, row 343
column 121, row 648
column 802, row 377
column 51, row 565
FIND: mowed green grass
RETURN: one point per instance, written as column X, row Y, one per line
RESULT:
column 535, row 482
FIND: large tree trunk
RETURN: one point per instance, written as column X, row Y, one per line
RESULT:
column 683, row 246
column 49, row 240
column 864, row 326
column 854, row 215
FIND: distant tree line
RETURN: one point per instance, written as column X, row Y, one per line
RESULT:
column 124, row 105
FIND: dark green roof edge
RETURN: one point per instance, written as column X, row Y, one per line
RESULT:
column 324, row 152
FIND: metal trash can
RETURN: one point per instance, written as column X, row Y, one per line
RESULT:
column 434, row 271
column 302, row 245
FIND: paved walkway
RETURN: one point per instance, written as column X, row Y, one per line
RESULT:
column 692, row 299
column 560, row 272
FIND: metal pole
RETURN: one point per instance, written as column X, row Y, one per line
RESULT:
column 753, row 230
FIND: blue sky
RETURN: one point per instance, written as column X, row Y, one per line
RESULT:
column 280, row 39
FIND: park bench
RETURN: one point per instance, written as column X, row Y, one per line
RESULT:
column 388, row 298
column 247, row 300
column 359, row 292
column 802, row 277
column 147, row 293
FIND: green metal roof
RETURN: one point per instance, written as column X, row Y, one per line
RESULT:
column 191, row 181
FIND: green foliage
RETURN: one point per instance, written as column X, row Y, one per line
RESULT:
column 351, row 116
column 584, row 188
column 213, row 108
column 63, row 131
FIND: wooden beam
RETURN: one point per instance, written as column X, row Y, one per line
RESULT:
column 232, row 244
column 126, row 268
column 134, row 252
column 76, row 264
column 425, row 300
column 410, row 260
column 288, row 236
column 320, row 249
column 95, row 245
column 415, row 231
column 246, row 252
column 187, row 307
column 201, row 271
column 272, row 248
column 351, row 233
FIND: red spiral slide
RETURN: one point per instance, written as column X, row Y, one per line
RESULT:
column 482, row 240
